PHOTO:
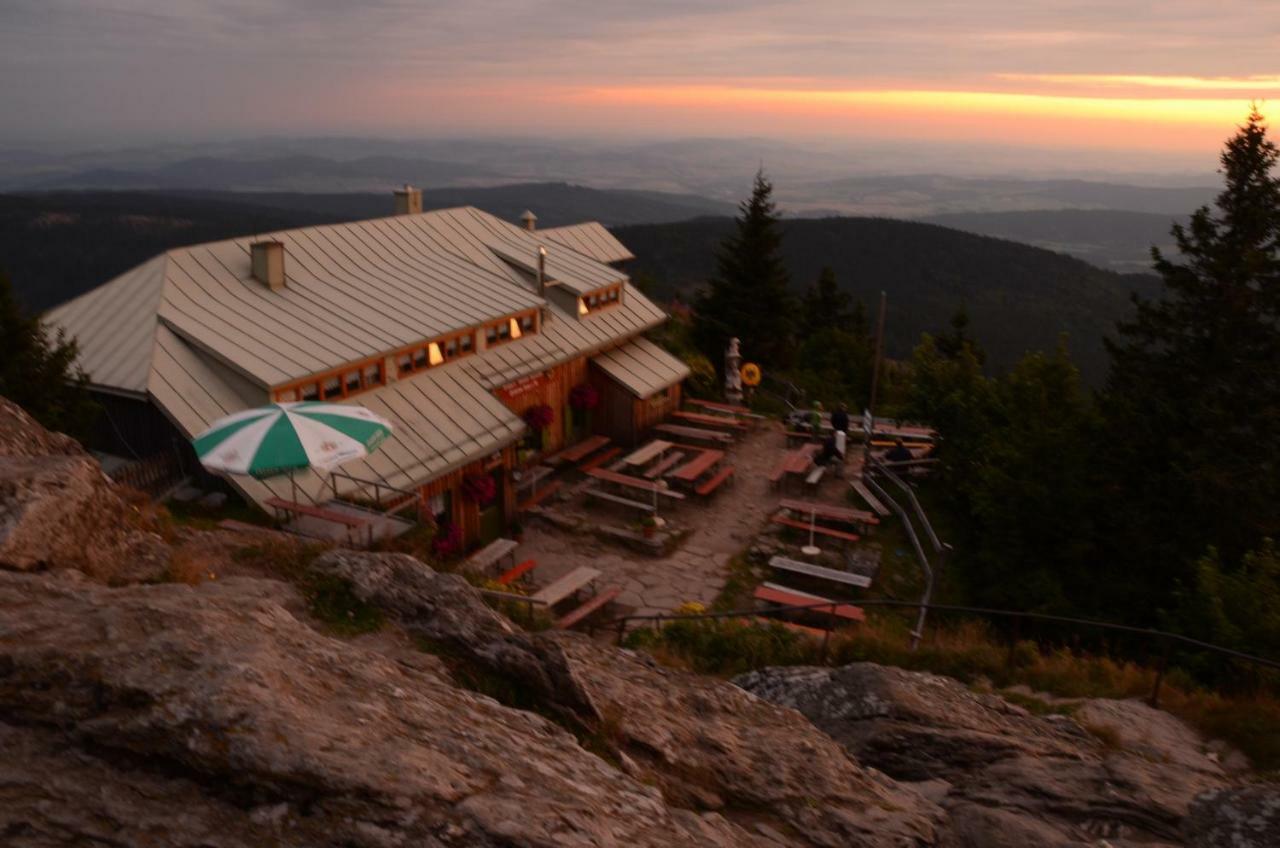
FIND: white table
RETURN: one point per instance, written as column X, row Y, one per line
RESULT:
column 557, row 591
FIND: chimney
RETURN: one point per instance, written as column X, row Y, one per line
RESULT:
column 529, row 220
column 542, row 271
column 267, row 262
column 408, row 200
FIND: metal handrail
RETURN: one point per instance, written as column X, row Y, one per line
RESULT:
column 1167, row 640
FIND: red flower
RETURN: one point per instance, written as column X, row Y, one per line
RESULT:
column 539, row 417
column 480, row 488
column 584, row 396
column 448, row 541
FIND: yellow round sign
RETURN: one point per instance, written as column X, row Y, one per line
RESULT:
column 750, row 374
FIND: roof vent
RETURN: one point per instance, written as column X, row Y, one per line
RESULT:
column 408, row 200
column 529, row 220
column 267, row 262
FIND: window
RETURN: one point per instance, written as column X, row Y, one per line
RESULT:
column 508, row 329
column 335, row 385
column 599, row 299
column 435, row 352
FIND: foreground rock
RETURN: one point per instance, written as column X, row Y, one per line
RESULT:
column 1248, row 817
column 166, row 715
column 704, row 742
column 1007, row 777
column 58, row 510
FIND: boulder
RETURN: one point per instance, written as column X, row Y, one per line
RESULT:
column 708, row 744
column 1246, row 817
column 195, row 716
column 1008, row 777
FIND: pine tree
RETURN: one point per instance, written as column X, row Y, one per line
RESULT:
column 825, row 306
column 38, row 372
column 750, row 296
column 1193, row 395
column 953, row 343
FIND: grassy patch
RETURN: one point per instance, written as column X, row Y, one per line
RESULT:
column 202, row 517
column 285, row 558
column 333, row 602
column 970, row 652
column 741, row 582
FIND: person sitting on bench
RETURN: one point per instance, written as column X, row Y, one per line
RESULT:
column 898, row 453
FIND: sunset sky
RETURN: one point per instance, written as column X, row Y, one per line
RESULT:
column 1168, row 77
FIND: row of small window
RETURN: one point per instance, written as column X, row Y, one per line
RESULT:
column 335, row 386
column 434, row 353
column 508, row 329
column 589, row 303
column 342, row 384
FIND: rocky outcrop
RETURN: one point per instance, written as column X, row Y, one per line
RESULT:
column 58, row 510
column 1248, row 817
column 171, row 715
column 1006, row 777
column 704, row 742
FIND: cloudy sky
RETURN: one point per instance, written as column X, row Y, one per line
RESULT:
column 1169, row 77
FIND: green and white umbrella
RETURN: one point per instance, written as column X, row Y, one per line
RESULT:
column 285, row 437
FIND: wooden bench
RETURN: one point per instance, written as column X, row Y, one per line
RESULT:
column 801, row 436
column 781, row 595
column 815, row 476
column 844, row 515
column 555, row 592
column 513, row 574
column 664, row 465
column 539, row 496
column 724, row 407
column 490, row 555
column 820, row 572
column 599, row 459
column 696, row 467
column 597, row 601
column 697, row 434
column 246, row 527
column 703, row 419
column 871, row 500
column 715, row 481
column 582, row 449
column 788, row 521
column 648, row 453
column 351, row 522
column 628, row 482
column 618, row 499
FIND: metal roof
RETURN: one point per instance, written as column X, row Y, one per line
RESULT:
column 443, row 419
column 589, row 239
column 353, row 291
column 641, row 367
column 193, row 329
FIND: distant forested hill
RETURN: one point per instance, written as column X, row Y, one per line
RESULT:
column 1019, row 297
column 1108, row 238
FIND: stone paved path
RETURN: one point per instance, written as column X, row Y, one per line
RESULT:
column 696, row 571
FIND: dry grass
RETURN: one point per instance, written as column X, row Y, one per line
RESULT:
column 970, row 652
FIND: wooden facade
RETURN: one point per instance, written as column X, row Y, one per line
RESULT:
column 624, row 417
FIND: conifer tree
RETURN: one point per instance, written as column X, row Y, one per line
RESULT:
column 1193, row 394
column 825, row 306
column 38, row 372
column 749, row 297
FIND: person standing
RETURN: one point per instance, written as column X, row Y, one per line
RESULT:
column 840, row 419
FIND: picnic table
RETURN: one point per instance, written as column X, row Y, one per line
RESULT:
column 629, row 482
column 556, row 591
column 582, row 449
column 699, row 465
column 648, row 453
column 490, row 555
column 797, row 461
column 821, row 572
column 775, row 594
column 709, row 420
column 730, row 408
column 842, row 514
column 695, row 433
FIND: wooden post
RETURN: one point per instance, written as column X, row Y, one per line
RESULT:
column 1160, row 670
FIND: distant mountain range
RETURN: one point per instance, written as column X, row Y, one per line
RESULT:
column 1020, row 297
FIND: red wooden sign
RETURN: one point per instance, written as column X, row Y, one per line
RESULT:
column 523, row 386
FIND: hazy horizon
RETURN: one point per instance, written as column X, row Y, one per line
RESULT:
column 1059, row 87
